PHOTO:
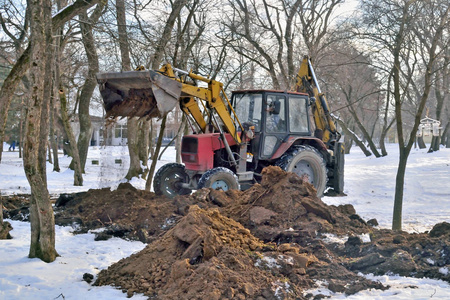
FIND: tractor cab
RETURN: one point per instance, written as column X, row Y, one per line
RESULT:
column 276, row 116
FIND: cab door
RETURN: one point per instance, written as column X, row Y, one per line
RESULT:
column 274, row 123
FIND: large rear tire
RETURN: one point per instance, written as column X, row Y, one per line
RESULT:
column 308, row 163
column 168, row 180
column 219, row 179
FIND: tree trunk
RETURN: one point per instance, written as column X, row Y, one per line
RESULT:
column 49, row 153
column 23, row 114
column 41, row 213
column 434, row 145
column 144, row 141
column 446, row 135
column 54, row 136
column 133, row 148
column 88, row 88
column 181, row 132
column 78, row 175
column 383, row 144
column 148, row 183
column 399, row 186
column 22, row 64
column 132, row 123
column 421, row 142
column 151, row 134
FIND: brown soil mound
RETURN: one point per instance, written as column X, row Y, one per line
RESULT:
column 208, row 256
column 283, row 207
column 125, row 212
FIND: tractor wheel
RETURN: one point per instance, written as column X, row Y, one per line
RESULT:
column 219, row 179
column 168, row 180
column 308, row 163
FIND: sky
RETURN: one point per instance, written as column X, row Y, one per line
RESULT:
column 369, row 185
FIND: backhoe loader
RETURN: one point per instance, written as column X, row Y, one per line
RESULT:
column 233, row 138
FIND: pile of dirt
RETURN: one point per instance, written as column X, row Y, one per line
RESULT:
column 416, row 255
column 209, row 256
column 15, row 207
column 268, row 242
column 283, row 208
column 126, row 212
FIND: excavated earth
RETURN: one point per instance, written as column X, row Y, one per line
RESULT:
column 273, row 241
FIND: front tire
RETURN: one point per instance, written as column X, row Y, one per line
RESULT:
column 219, row 179
column 168, row 180
column 308, row 163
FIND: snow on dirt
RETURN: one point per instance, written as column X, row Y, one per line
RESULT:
column 369, row 183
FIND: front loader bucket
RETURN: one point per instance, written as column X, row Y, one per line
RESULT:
column 138, row 93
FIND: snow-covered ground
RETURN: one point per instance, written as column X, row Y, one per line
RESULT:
column 369, row 184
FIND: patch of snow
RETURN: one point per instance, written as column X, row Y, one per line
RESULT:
column 286, row 259
column 280, row 287
column 443, row 270
column 430, row 261
column 331, row 238
column 365, row 238
column 267, row 261
column 25, row 278
column 369, row 185
column 321, row 289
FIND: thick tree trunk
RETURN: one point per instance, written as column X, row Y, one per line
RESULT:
column 88, row 88
column 78, row 174
column 132, row 124
column 41, row 213
column 133, row 148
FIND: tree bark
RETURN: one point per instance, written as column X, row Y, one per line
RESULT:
column 132, row 123
column 54, row 136
column 41, row 213
column 90, row 83
column 148, row 183
column 430, row 45
column 22, row 64
column 78, row 174
column 144, row 141
column 133, row 148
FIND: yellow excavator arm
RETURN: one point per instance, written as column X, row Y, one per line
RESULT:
column 307, row 83
column 211, row 99
column 154, row 93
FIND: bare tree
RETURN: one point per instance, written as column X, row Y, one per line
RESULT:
column 409, row 33
column 87, row 37
column 41, row 212
column 356, row 98
column 132, row 123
